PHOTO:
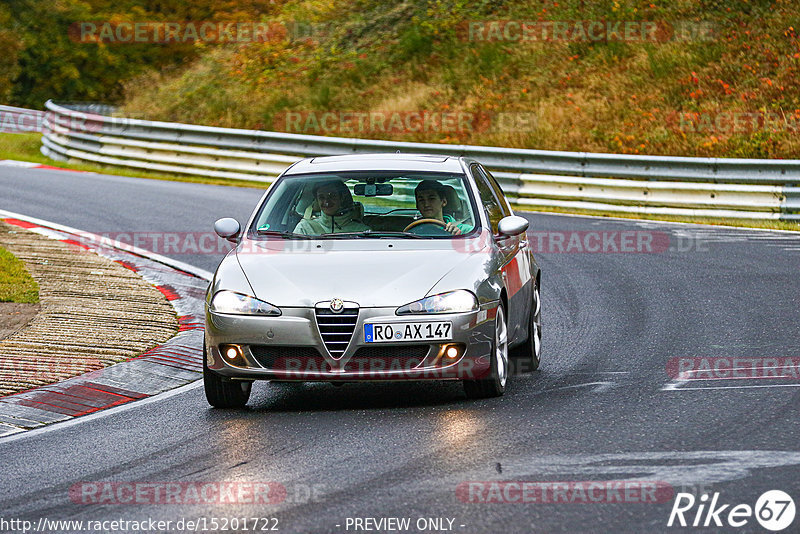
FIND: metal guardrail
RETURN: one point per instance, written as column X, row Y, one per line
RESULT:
column 20, row 120
column 704, row 187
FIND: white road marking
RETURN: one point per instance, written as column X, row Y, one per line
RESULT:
column 732, row 387
column 177, row 264
column 678, row 383
column 732, row 370
column 16, row 163
column 10, row 429
column 685, row 377
column 103, row 413
column 688, row 468
column 603, row 373
column 744, row 378
column 674, row 384
column 598, row 387
column 689, row 371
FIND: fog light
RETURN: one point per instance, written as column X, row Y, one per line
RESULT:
column 232, row 355
column 449, row 352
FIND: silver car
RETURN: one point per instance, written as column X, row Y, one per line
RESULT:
column 374, row 267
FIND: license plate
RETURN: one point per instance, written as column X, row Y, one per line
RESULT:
column 383, row 332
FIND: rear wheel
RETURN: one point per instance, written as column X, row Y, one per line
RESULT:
column 223, row 392
column 529, row 353
column 495, row 384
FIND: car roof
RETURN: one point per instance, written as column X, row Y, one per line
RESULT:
column 378, row 162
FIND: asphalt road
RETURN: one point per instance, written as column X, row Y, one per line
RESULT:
column 605, row 405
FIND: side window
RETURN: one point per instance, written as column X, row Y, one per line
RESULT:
column 493, row 208
column 498, row 191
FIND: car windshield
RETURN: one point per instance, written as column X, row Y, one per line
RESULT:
column 363, row 205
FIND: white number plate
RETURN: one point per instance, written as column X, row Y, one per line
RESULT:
column 383, row 332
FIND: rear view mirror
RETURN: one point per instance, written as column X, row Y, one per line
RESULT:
column 373, row 190
column 228, row 228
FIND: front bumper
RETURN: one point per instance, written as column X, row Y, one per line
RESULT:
column 290, row 347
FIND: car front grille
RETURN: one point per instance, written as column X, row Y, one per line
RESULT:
column 391, row 358
column 336, row 329
column 366, row 359
column 289, row 358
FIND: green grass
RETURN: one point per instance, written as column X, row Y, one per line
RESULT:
column 16, row 284
column 25, row 147
column 621, row 97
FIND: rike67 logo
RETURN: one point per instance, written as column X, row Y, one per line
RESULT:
column 774, row 510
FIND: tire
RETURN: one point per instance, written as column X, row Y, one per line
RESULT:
column 223, row 392
column 495, row 384
column 530, row 352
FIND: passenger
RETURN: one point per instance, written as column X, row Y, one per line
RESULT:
column 337, row 211
column 431, row 199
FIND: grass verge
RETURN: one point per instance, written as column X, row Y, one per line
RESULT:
column 720, row 80
column 16, row 283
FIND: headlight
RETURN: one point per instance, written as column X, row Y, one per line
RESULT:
column 238, row 304
column 451, row 302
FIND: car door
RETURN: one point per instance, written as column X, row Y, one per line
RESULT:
column 525, row 257
column 515, row 268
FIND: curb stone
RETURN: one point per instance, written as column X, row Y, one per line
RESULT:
column 174, row 363
column 93, row 313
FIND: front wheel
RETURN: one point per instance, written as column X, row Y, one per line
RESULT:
column 223, row 392
column 529, row 353
column 495, row 384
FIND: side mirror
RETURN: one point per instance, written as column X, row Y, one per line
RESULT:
column 512, row 225
column 229, row 229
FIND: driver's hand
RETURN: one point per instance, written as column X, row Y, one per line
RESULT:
column 453, row 229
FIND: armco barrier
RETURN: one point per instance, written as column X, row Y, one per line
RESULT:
column 705, row 187
column 20, row 120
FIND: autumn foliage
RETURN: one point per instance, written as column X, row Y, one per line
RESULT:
column 718, row 78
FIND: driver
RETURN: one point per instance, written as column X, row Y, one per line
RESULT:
column 337, row 211
column 431, row 199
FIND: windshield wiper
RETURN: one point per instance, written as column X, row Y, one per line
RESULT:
column 287, row 235
column 373, row 233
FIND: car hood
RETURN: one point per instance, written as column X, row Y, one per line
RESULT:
column 368, row 274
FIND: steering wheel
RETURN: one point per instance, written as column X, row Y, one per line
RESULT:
column 425, row 221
